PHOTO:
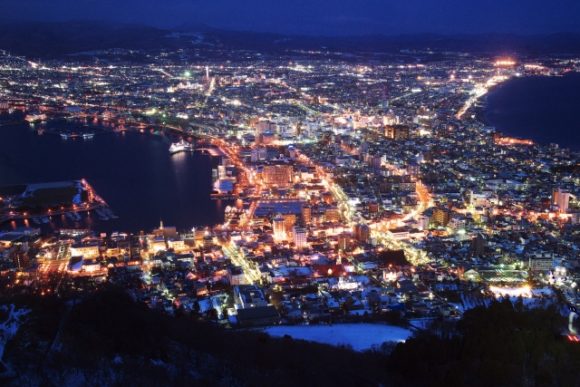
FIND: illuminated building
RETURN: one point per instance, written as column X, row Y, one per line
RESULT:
column 561, row 199
column 259, row 154
column 397, row 132
column 207, row 240
column 280, row 175
column 332, row 214
column 289, row 221
column 541, row 264
column 264, row 127
column 441, row 216
column 157, row 244
column 306, row 214
column 299, row 235
column 86, row 251
column 224, row 186
column 362, row 232
column 236, row 276
column 222, row 171
column 176, row 245
column 279, row 227
column 373, row 207
column 267, row 208
column 249, row 296
column 267, row 138
column 422, row 222
column 327, row 198
column 344, row 241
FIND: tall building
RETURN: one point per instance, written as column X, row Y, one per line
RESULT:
column 362, row 233
column 344, row 241
column 289, row 221
column 441, row 216
column 561, row 199
column 279, row 227
column 299, row 235
column 306, row 214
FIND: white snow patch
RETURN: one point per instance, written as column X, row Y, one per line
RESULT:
column 9, row 327
column 360, row 337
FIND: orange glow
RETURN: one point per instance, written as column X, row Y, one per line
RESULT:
column 507, row 141
column 505, row 62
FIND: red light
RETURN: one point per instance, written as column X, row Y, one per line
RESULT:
column 573, row 338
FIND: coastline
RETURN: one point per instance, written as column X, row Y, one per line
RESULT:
column 182, row 198
column 481, row 110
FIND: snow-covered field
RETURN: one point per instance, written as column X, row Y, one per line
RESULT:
column 9, row 328
column 359, row 336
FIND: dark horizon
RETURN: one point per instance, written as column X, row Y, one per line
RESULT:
column 317, row 17
column 200, row 27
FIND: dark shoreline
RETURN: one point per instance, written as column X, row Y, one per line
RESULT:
column 481, row 111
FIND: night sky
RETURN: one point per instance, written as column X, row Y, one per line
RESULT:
column 319, row 17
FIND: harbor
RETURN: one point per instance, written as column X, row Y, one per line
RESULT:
column 134, row 171
column 48, row 204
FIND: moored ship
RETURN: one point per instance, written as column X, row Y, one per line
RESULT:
column 181, row 146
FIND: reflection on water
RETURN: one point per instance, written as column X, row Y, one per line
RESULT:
column 179, row 159
column 133, row 172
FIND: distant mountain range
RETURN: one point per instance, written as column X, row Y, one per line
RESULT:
column 56, row 39
column 37, row 39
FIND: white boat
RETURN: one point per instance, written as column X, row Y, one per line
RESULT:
column 181, row 146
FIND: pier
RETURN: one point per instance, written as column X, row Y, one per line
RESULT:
column 41, row 196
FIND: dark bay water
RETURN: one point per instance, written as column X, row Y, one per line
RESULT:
column 133, row 172
column 544, row 109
